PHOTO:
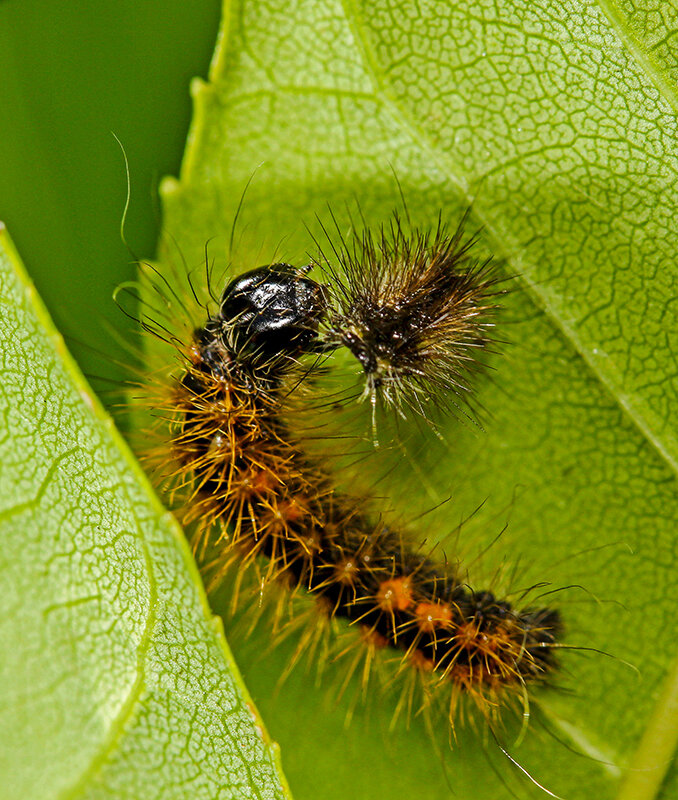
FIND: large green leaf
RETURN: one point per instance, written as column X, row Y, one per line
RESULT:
column 558, row 120
column 115, row 681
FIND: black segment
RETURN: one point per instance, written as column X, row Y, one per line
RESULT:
column 270, row 311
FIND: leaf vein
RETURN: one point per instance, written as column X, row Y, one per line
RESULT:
column 373, row 68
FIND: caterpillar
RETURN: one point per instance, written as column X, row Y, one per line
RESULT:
column 250, row 490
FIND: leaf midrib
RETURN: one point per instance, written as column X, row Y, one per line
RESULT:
column 642, row 58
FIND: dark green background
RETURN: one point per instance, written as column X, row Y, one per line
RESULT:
column 70, row 74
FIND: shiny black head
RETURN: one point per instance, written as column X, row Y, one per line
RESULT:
column 268, row 312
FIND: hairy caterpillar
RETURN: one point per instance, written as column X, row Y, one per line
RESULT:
column 251, row 490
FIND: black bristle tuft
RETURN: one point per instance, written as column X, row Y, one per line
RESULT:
column 416, row 310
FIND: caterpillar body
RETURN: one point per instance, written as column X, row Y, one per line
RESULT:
column 250, row 490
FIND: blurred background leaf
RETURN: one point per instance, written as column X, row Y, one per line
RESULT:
column 73, row 74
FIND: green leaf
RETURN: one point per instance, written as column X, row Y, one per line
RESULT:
column 557, row 119
column 115, row 681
